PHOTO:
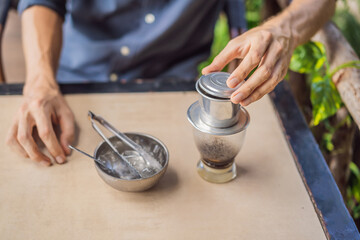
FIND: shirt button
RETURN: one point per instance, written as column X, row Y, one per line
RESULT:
column 113, row 77
column 125, row 51
column 149, row 18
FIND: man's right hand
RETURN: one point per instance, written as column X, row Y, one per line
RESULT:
column 43, row 105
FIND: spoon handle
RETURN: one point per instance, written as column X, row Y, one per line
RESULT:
column 88, row 155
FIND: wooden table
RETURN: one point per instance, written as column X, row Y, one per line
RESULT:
column 268, row 200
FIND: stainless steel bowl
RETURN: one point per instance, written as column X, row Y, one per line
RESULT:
column 217, row 112
column 161, row 154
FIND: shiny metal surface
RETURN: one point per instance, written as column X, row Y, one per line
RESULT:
column 219, row 128
column 98, row 130
column 214, row 84
column 126, row 140
column 161, row 154
column 218, row 147
column 89, row 156
column 217, row 112
column 194, row 117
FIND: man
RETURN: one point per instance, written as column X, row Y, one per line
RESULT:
column 128, row 39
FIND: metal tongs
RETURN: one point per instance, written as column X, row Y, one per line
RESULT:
column 120, row 135
column 145, row 155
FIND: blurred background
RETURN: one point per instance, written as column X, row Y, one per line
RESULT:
column 347, row 18
column 13, row 57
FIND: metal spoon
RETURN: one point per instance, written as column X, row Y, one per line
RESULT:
column 95, row 159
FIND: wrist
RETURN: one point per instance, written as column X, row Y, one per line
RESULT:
column 281, row 26
column 40, row 84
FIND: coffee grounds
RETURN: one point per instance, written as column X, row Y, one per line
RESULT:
column 217, row 150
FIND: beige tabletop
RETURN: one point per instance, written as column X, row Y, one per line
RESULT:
column 267, row 200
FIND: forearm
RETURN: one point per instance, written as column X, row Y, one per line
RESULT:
column 303, row 18
column 42, row 40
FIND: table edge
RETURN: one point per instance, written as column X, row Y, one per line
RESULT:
column 327, row 200
column 110, row 87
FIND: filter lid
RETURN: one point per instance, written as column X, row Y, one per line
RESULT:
column 214, row 84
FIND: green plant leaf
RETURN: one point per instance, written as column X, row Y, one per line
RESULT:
column 308, row 58
column 356, row 192
column 253, row 13
column 356, row 212
column 221, row 38
column 349, row 26
column 325, row 98
column 350, row 64
column 354, row 170
column 327, row 141
column 353, row 190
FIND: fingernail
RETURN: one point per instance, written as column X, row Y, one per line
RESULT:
column 205, row 72
column 60, row 159
column 68, row 150
column 232, row 82
column 238, row 97
column 45, row 163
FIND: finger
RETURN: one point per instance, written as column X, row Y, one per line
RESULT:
column 12, row 142
column 233, row 50
column 26, row 140
column 269, row 85
column 251, row 60
column 262, row 74
column 233, row 65
column 67, row 126
column 48, row 136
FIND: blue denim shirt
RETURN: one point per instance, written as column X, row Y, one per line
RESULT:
column 128, row 39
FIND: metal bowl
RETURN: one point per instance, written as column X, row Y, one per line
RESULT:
column 161, row 154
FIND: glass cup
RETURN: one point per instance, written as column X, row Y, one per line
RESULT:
column 218, row 153
column 219, row 127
